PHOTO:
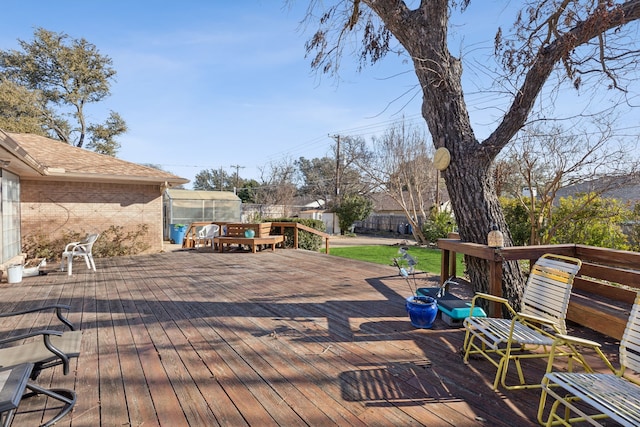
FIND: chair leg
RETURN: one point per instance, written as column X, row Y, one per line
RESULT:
column 6, row 418
column 67, row 397
column 93, row 263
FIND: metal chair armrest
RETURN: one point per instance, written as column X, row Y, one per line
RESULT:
column 571, row 342
column 489, row 297
column 57, row 307
column 578, row 341
column 44, row 332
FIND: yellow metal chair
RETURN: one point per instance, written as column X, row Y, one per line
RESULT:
column 542, row 315
column 614, row 395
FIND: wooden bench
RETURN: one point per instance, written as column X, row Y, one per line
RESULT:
column 236, row 229
column 236, row 235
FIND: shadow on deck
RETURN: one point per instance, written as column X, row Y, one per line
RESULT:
column 278, row 338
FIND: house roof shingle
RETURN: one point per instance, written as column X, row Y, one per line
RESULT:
column 39, row 157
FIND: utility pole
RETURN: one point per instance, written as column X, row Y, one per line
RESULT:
column 235, row 188
column 336, row 200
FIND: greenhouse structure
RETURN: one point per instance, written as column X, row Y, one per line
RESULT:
column 187, row 206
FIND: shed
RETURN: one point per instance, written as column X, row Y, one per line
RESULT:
column 187, row 206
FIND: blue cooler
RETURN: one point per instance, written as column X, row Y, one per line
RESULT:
column 434, row 292
column 454, row 311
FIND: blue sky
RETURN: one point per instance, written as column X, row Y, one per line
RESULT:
column 213, row 84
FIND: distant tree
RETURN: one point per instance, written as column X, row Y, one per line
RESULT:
column 247, row 192
column 321, row 177
column 20, row 109
column 220, row 180
column 277, row 183
column 547, row 160
column 213, row 180
column 505, row 174
column 352, row 208
column 400, row 164
column 318, row 178
column 102, row 139
column 67, row 74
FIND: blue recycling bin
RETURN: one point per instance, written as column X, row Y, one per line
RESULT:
column 177, row 232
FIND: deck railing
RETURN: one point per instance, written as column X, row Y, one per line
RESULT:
column 192, row 231
column 296, row 230
column 603, row 292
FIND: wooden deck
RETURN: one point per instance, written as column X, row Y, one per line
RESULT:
column 284, row 338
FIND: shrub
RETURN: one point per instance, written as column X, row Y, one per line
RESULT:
column 438, row 226
column 115, row 242
column 306, row 240
column 351, row 209
column 593, row 221
column 518, row 221
column 41, row 245
column 112, row 242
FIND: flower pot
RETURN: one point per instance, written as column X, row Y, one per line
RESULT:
column 422, row 311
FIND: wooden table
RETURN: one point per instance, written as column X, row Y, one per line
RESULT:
column 251, row 241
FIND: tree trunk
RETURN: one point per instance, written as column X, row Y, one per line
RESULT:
column 476, row 207
column 470, row 183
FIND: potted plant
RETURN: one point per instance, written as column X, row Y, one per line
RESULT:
column 422, row 310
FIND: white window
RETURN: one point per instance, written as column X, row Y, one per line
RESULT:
column 10, row 207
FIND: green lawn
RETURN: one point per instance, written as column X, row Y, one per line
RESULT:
column 428, row 259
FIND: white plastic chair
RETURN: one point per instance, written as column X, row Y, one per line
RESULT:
column 83, row 249
column 206, row 234
column 614, row 395
column 543, row 313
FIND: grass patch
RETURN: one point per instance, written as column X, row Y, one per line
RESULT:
column 428, row 259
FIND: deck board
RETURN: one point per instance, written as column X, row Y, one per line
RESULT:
column 278, row 338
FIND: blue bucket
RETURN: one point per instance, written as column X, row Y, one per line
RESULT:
column 177, row 233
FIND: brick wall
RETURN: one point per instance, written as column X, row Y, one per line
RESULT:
column 55, row 208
